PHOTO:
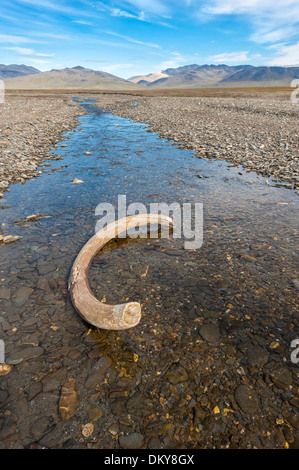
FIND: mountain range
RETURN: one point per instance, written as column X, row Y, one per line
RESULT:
column 69, row 78
column 188, row 76
column 14, row 70
column 193, row 76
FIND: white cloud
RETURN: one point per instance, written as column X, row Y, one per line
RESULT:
column 87, row 23
column 19, row 50
column 272, row 21
column 9, row 39
column 285, row 55
column 135, row 41
column 127, row 14
column 113, row 68
column 230, row 57
column 177, row 60
column 58, row 7
column 25, row 52
column 157, row 7
column 142, row 10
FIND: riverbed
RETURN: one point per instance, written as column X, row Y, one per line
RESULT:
column 209, row 363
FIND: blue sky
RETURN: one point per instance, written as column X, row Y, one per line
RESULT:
column 135, row 37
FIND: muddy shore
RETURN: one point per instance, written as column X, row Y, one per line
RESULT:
column 259, row 133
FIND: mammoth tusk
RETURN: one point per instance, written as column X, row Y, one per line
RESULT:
column 108, row 317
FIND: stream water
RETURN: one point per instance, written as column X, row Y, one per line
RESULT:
column 162, row 380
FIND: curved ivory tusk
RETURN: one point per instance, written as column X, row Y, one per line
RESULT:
column 108, row 317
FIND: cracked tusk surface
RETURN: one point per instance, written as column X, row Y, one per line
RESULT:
column 108, row 317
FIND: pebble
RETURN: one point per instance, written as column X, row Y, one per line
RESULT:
column 21, row 296
column 5, row 369
column 4, row 293
column 131, row 441
column 246, row 399
column 8, row 239
column 177, row 375
column 77, row 181
column 97, row 373
column 256, row 356
column 27, row 137
column 210, row 332
column 68, row 400
column 282, row 377
column 214, row 132
column 23, row 354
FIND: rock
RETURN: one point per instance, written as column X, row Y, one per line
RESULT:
column 8, row 239
column 30, row 324
column 95, row 413
column 5, row 369
column 33, row 217
column 210, row 332
column 97, row 373
column 23, row 354
column 113, row 429
column 39, row 427
column 131, row 441
column 68, row 400
column 3, row 396
column 22, row 295
column 43, row 284
column 4, row 293
column 256, row 356
column 34, row 390
column 118, row 406
column 246, row 399
column 177, row 374
column 139, row 405
column 295, row 402
column 87, row 430
column 53, row 380
column 7, row 430
column 76, row 181
column 282, row 377
column 199, row 413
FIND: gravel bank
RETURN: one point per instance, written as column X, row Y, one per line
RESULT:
column 260, row 134
column 29, row 128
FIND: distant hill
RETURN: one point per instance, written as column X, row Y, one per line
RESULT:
column 146, row 79
column 195, row 76
column 283, row 75
column 188, row 76
column 14, row 71
column 70, row 78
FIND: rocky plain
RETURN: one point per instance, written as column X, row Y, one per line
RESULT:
column 30, row 126
column 209, row 366
column 259, row 133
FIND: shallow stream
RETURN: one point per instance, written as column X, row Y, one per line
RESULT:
column 162, row 380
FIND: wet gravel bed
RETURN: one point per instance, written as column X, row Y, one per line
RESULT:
column 30, row 127
column 209, row 365
column 261, row 134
